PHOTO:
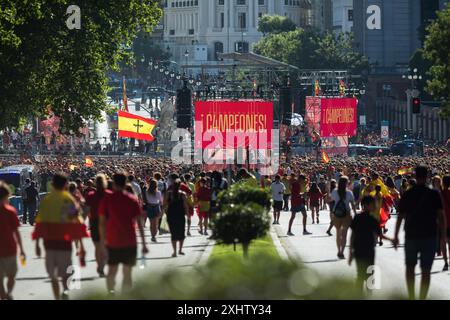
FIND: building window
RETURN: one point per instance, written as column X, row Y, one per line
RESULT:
column 191, row 31
column 286, row 2
column 172, row 32
column 260, row 14
column 218, row 48
column 242, row 23
column 241, row 2
column 221, row 2
column 241, row 47
column 350, row 15
column 261, row 2
column 222, row 20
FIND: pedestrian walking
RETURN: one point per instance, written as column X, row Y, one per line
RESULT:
column 118, row 214
column 277, row 189
column 10, row 240
column 177, row 210
column 154, row 207
column 422, row 209
column 341, row 213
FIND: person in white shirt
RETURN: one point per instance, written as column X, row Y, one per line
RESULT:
column 277, row 188
column 136, row 188
column 341, row 213
column 154, row 207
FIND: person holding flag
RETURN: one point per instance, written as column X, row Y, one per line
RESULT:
column 59, row 224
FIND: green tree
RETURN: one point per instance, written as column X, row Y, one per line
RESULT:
column 275, row 24
column 43, row 63
column 312, row 49
column 437, row 51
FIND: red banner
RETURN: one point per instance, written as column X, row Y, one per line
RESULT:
column 233, row 124
column 338, row 117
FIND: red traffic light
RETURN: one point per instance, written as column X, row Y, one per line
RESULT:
column 416, row 101
column 416, row 105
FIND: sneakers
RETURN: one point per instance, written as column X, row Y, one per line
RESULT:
column 329, row 233
column 205, row 233
column 445, row 267
column 274, row 222
column 153, row 239
column 188, row 233
column 341, row 256
column 290, row 234
column 305, row 233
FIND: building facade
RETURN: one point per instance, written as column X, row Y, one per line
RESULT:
column 196, row 30
column 342, row 16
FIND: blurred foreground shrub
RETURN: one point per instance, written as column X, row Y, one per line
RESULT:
column 232, row 278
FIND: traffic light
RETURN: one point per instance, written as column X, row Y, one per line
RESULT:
column 416, row 105
column 184, row 108
column 286, row 105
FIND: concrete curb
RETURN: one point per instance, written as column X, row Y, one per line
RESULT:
column 282, row 252
column 208, row 249
column 284, row 245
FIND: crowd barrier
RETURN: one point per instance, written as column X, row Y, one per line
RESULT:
column 16, row 202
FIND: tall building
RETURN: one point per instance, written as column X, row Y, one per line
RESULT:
column 342, row 16
column 196, row 30
column 322, row 14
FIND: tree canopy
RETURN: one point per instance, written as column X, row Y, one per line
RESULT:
column 275, row 24
column 44, row 64
column 312, row 49
column 437, row 52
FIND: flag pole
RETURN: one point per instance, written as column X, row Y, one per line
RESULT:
column 124, row 88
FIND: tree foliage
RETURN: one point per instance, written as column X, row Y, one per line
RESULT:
column 312, row 49
column 437, row 51
column 275, row 24
column 44, row 64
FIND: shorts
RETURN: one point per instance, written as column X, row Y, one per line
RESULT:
column 191, row 211
column 57, row 263
column 93, row 228
column 425, row 247
column 343, row 222
column 278, row 205
column 314, row 204
column 299, row 208
column 126, row 256
column 203, row 215
column 153, row 211
column 8, row 267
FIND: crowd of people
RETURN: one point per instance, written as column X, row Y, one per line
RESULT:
column 116, row 194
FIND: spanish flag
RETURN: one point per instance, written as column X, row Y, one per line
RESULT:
column 59, row 218
column 325, row 157
column 317, row 89
column 342, row 87
column 89, row 162
column 133, row 126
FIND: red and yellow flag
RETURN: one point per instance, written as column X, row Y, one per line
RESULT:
column 325, row 157
column 317, row 89
column 88, row 162
column 404, row 170
column 133, row 126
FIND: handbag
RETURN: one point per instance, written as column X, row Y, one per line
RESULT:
column 164, row 228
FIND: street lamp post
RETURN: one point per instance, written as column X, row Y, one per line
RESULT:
column 186, row 55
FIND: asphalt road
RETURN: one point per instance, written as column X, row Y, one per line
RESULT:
column 33, row 283
column 318, row 251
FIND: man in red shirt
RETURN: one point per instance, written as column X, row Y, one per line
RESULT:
column 297, row 202
column 93, row 199
column 118, row 214
column 9, row 240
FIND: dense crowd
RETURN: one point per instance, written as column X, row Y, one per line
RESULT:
column 115, row 193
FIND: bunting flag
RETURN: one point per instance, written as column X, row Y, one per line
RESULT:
column 317, row 89
column 125, row 100
column 405, row 170
column 325, row 157
column 88, row 162
column 342, row 88
column 137, row 127
column 59, row 218
column 72, row 167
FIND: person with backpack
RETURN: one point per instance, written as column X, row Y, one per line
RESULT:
column 341, row 213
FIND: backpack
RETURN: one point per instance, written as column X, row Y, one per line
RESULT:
column 340, row 210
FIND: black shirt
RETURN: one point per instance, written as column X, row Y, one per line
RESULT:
column 420, row 205
column 364, row 228
column 32, row 194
